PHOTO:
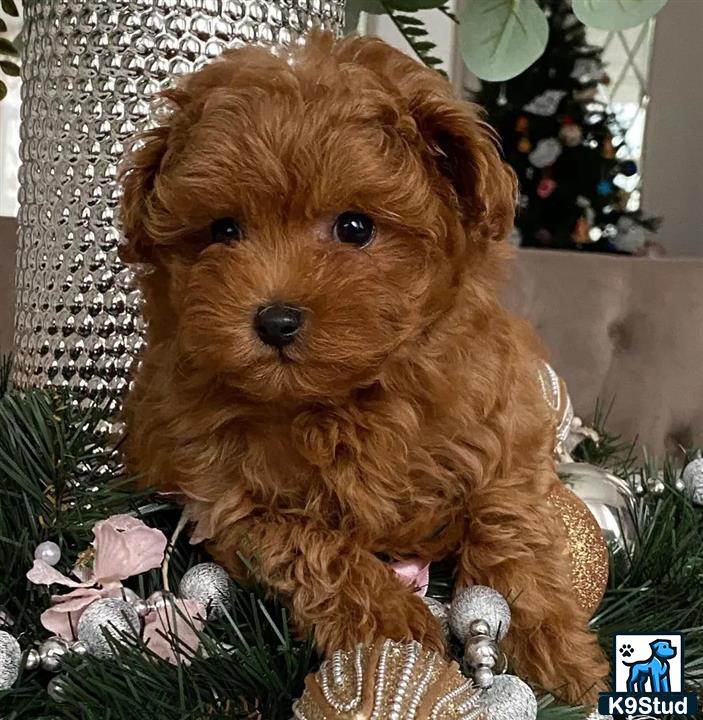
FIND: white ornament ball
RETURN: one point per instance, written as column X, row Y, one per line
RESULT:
column 571, row 135
column 693, row 480
column 208, row 584
column 509, row 698
column 545, row 153
column 109, row 616
column 10, row 656
column 479, row 603
column 49, row 552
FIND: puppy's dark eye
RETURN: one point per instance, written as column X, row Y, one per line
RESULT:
column 354, row 228
column 225, row 230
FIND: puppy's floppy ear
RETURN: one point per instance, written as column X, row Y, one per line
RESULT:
column 464, row 150
column 137, row 173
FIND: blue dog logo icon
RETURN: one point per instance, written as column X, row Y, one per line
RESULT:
column 653, row 671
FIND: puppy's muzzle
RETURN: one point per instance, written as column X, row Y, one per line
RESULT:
column 278, row 324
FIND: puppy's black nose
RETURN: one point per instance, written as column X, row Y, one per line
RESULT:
column 278, row 325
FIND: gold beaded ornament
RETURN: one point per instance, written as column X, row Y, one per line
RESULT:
column 587, row 548
column 388, row 681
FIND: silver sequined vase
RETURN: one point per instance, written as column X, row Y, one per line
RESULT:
column 89, row 70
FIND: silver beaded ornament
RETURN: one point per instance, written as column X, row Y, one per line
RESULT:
column 52, row 652
column 10, row 656
column 479, row 603
column 157, row 600
column 481, row 653
column 32, row 660
column 208, row 584
column 509, row 699
column 692, row 478
column 440, row 612
column 89, row 71
column 49, row 552
column 109, row 617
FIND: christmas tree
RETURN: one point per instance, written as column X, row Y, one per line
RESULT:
column 67, row 511
column 566, row 146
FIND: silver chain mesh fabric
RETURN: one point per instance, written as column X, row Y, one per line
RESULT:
column 88, row 72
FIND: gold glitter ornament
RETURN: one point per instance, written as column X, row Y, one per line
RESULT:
column 587, row 549
column 612, row 502
column 388, row 681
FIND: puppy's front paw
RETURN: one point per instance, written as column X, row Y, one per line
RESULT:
column 402, row 616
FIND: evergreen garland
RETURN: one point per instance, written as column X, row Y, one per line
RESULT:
column 58, row 476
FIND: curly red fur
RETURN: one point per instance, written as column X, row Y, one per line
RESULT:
column 406, row 419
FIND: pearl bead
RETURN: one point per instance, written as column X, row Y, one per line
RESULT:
column 479, row 627
column 51, row 652
column 484, row 677
column 32, row 660
column 79, row 648
column 49, row 552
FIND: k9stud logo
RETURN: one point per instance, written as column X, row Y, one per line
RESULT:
column 648, row 677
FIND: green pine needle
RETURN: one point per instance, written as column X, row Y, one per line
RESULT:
column 59, row 474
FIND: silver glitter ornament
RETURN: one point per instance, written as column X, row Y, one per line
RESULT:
column 56, row 689
column 440, row 611
column 612, row 502
column 692, row 478
column 109, row 616
column 49, row 552
column 509, row 698
column 52, row 652
column 208, row 584
column 88, row 74
column 6, row 620
column 10, row 656
column 479, row 603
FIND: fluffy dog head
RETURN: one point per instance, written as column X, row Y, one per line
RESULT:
column 309, row 216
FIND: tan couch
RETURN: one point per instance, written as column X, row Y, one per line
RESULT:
column 617, row 328
column 622, row 329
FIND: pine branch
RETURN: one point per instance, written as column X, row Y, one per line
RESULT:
column 413, row 29
column 59, row 474
column 6, row 365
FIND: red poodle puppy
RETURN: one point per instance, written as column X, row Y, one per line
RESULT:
column 329, row 375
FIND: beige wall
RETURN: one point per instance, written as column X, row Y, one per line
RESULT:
column 673, row 151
